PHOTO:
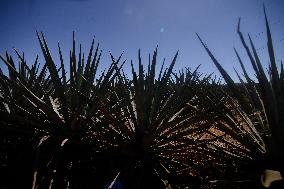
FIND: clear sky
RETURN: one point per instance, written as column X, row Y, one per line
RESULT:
column 126, row 25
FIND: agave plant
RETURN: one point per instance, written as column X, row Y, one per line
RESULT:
column 57, row 109
column 263, row 101
column 238, row 140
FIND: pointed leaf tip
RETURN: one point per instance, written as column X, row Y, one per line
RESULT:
column 239, row 25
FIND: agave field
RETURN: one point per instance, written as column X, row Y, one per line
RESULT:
column 78, row 128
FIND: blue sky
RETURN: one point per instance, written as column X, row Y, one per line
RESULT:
column 126, row 25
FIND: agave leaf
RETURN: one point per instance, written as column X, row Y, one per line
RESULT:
column 63, row 73
column 59, row 89
column 274, row 72
column 247, row 49
column 89, row 61
column 258, row 63
column 226, row 76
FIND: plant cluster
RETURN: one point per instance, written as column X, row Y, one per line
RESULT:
column 158, row 129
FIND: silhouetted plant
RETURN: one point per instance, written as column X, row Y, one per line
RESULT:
column 263, row 100
column 165, row 130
